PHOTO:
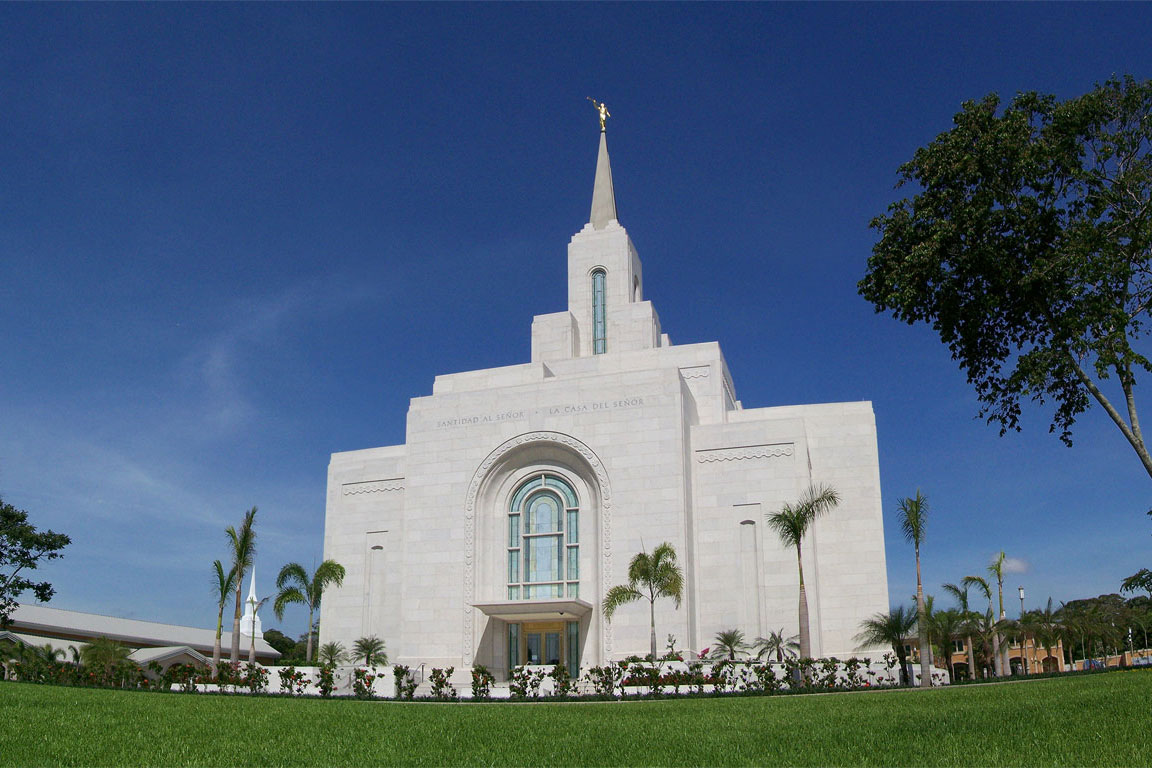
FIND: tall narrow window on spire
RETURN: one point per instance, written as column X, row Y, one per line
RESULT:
column 599, row 342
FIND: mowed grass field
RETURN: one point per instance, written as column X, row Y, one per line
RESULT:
column 1101, row 719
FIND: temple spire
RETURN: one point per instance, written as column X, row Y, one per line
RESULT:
column 603, row 197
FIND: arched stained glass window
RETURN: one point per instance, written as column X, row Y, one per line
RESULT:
column 543, row 540
column 599, row 330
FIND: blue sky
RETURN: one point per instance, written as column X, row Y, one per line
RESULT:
column 237, row 238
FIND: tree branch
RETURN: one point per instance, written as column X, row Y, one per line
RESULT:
column 1136, row 441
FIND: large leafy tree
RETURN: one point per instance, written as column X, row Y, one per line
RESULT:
column 296, row 586
column 1029, row 250
column 913, row 521
column 243, row 546
column 650, row 576
column 791, row 523
column 22, row 549
column 890, row 629
column 222, row 583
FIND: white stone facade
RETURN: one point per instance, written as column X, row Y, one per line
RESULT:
column 653, row 442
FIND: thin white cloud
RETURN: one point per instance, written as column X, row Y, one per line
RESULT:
column 1015, row 565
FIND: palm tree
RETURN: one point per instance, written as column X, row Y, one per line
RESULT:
column 776, row 643
column 982, row 585
column 52, row 655
column 243, row 543
column 371, row 649
column 913, row 519
column 649, row 577
column 946, row 625
column 790, row 524
column 221, row 589
column 996, row 568
column 889, row 629
column 104, row 654
column 1142, row 579
column 332, row 654
column 728, row 644
column 961, row 595
column 1046, row 629
column 296, row 586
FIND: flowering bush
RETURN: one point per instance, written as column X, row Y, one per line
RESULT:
column 255, row 678
column 852, row 671
column 405, row 683
column 525, row 682
column 482, row 681
column 327, row 680
column 605, row 679
column 441, row 687
column 723, row 677
column 362, row 680
column 291, row 681
column 564, row 684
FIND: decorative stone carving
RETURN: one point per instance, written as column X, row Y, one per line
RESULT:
column 745, row 453
column 470, row 524
column 696, row 372
column 373, row 486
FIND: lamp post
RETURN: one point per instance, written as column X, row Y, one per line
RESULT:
column 1023, row 635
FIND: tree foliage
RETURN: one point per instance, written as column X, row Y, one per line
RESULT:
column 371, row 649
column 1029, row 251
column 890, row 629
column 296, row 586
column 22, row 549
column 649, row 577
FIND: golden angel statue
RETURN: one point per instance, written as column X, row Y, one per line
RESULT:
column 602, row 109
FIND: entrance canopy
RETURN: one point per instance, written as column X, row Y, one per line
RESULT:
column 535, row 610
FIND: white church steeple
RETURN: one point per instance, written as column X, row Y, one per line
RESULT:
column 603, row 196
column 607, row 312
column 250, row 620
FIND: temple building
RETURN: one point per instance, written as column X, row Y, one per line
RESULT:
column 521, row 494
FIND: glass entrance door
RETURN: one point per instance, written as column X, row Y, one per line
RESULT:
column 542, row 648
column 545, row 644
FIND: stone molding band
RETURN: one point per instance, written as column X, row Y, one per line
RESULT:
column 746, row 452
column 373, row 486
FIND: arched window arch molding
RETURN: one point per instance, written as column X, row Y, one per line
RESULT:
column 489, row 492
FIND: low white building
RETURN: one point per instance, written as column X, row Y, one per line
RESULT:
column 521, row 493
column 153, row 641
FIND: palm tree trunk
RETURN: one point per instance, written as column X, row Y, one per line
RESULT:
column 903, row 661
column 922, row 622
column 996, row 660
column 971, row 659
column 805, row 641
column 235, row 657
column 308, row 652
column 652, row 618
column 252, row 647
column 216, row 645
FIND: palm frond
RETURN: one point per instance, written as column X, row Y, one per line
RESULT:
column 914, row 517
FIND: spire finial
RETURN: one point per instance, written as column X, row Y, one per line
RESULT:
column 603, row 110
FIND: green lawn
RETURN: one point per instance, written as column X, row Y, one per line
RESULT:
column 1090, row 720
